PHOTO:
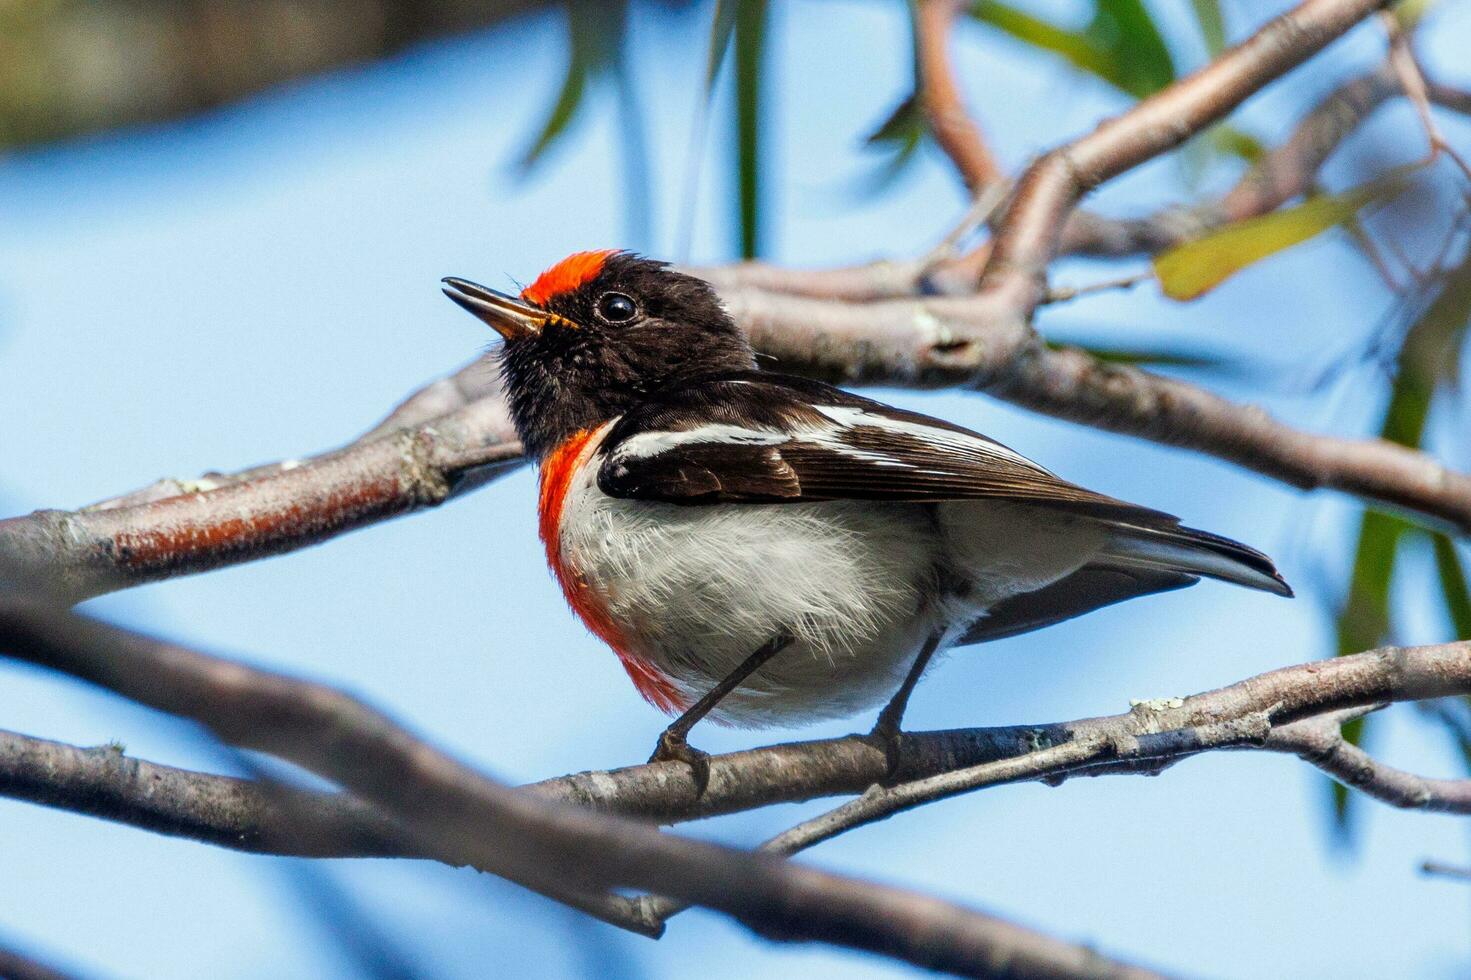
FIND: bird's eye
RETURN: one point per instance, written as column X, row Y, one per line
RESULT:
column 616, row 307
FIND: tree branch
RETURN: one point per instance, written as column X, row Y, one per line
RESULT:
column 457, row 815
column 939, row 97
column 241, row 814
column 223, row 520
column 1320, row 741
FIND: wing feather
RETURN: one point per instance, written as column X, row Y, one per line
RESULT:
column 763, row 438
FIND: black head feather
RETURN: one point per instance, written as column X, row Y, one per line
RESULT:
column 633, row 328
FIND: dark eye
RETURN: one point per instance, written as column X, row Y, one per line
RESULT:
column 616, row 308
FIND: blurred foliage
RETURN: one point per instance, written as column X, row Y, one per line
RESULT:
column 898, row 137
column 1453, row 588
column 904, row 130
column 1190, row 270
column 597, row 45
column 595, row 42
column 70, row 67
column 1212, row 25
column 1119, row 44
column 1236, row 142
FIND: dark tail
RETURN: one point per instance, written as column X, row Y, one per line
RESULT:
column 1185, row 549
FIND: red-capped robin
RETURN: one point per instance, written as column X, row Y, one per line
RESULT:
column 767, row 549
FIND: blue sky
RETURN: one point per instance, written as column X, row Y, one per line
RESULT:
column 263, row 283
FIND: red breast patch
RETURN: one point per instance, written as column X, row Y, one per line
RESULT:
column 558, row 471
column 573, row 272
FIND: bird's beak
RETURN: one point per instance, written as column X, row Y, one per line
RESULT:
column 509, row 316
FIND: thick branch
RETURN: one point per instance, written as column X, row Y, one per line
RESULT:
column 457, row 815
column 226, row 520
column 239, row 814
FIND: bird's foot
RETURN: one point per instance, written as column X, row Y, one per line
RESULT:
column 673, row 747
column 887, row 736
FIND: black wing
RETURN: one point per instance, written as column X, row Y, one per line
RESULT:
column 768, row 438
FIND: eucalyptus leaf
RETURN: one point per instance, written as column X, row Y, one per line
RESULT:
column 1194, row 268
column 595, row 35
column 1120, row 43
column 1432, row 344
column 1453, row 587
column 721, row 29
column 904, row 129
column 1212, row 25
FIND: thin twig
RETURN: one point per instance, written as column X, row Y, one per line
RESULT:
column 1063, row 294
column 1407, row 70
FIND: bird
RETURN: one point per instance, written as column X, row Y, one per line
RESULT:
column 764, row 549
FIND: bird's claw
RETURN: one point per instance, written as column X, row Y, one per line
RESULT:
column 890, row 739
column 672, row 747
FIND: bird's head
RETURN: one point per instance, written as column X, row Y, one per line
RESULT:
column 595, row 334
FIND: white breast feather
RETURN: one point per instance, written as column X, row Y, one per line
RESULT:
column 698, row 589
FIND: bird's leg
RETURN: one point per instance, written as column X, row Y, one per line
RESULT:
column 673, row 745
column 887, row 730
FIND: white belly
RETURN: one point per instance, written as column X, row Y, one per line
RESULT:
column 696, row 590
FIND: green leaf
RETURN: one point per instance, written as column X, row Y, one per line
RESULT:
column 1410, row 12
column 1125, row 29
column 1364, row 622
column 1120, row 44
column 750, row 50
column 721, row 29
column 595, row 39
column 899, row 136
column 1453, row 588
column 564, row 109
column 904, row 129
column 1194, row 268
column 1238, row 143
column 1432, row 342
column 1222, row 140
column 1072, row 45
column 903, row 126
column 1212, row 25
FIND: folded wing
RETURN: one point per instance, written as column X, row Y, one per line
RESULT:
column 764, row 438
